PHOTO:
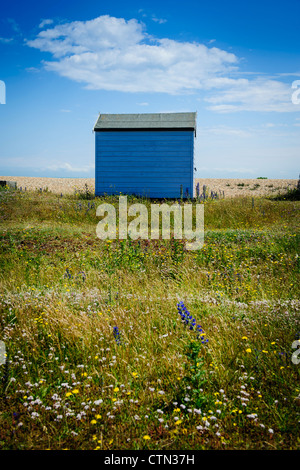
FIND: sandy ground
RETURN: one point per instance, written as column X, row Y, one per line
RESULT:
column 230, row 187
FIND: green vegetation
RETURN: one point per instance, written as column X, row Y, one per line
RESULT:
column 71, row 382
column 290, row 195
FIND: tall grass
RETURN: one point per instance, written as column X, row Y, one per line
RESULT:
column 70, row 381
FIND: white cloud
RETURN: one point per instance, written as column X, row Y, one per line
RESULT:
column 16, row 31
column 159, row 20
column 45, row 22
column 6, row 40
column 114, row 54
column 224, row 131
column 101, row 34
column 259, row 94
column 14, row 25
column 67, row 166
column 108, row 53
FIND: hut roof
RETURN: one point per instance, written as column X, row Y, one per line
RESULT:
column 146, row 121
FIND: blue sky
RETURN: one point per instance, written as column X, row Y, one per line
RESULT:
column 233, row 62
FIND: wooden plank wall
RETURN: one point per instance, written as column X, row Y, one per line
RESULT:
column 146, row 163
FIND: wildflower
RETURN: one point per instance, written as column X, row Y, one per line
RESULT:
column 248, row 350
column 98, row 402
column 117, row 335
column 188, row 319
column 146, row 438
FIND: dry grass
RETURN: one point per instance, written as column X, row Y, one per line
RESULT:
column 231, row 187
column 68, row 384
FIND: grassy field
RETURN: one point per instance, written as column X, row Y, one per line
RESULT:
column 98, row 356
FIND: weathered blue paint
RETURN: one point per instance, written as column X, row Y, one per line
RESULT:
column 152, row 163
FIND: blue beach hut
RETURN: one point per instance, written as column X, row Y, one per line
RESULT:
column 148, row 155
